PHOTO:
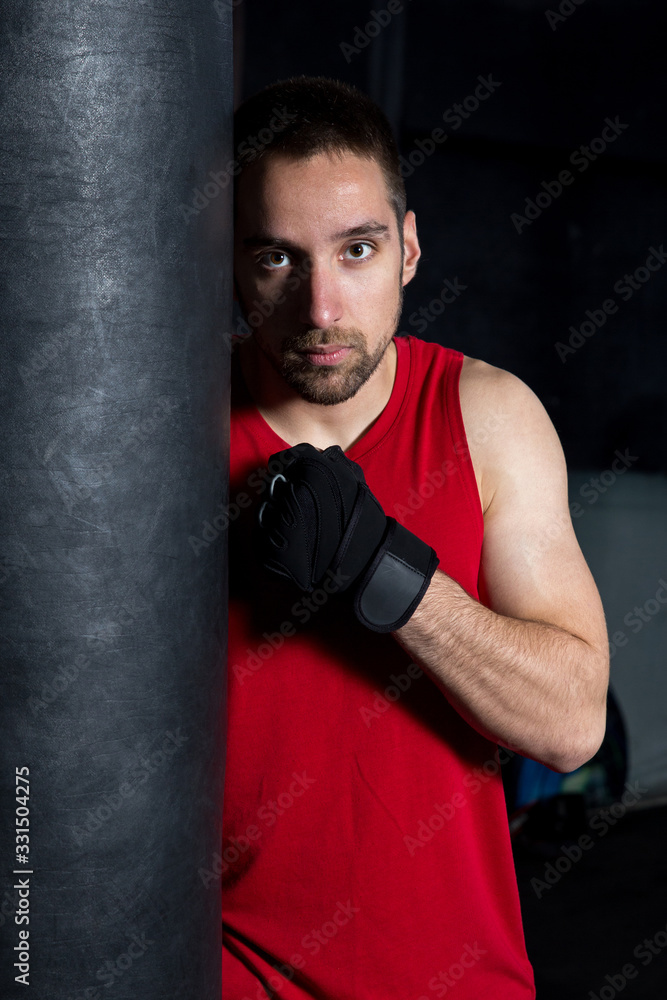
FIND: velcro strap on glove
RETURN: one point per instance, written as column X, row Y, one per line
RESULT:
column 395, row 581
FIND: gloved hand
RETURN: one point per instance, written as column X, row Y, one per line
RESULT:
column 322, row 516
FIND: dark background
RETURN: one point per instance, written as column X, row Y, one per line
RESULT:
column 561, row 76
column 523, row 290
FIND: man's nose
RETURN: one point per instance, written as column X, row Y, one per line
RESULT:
column 321, row 301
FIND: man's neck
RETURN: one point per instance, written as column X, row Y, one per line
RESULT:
column 296, row 420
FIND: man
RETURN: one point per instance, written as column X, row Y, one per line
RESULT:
column 373, row 696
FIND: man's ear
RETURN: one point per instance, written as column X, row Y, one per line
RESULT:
column 412, row 251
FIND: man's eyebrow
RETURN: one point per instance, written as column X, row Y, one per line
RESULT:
column 371, row 228
column 378, row 230
column 267, row 239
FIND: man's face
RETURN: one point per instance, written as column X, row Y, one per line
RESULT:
column 319, row 269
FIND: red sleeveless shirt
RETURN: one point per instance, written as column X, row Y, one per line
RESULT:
column 366, row 853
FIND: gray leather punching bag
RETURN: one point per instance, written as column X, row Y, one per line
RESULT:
column 114, row 300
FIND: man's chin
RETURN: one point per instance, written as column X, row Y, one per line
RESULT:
column 325, row 386
column 328, row 384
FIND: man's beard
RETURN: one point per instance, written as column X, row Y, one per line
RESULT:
column 330, row 384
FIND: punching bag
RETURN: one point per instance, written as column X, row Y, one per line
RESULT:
column 114, row 303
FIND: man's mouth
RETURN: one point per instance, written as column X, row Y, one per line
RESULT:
column 329, row 354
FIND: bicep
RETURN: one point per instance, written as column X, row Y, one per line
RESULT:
column 532, row 565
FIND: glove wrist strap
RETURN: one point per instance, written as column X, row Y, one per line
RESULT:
column 395, row 581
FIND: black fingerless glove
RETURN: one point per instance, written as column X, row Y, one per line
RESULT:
column 321, row 516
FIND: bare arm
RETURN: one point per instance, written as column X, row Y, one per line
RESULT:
column 530, row 670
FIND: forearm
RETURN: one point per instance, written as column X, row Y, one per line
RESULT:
column 528, row 685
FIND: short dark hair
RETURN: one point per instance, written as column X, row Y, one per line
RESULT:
column 306, row 115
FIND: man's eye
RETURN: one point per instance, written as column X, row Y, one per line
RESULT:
column 360, row 251
column 275, row 259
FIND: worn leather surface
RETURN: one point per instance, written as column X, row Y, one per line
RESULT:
column 113, row 310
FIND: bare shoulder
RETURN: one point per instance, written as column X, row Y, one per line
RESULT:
column 532, row 566
column 510, row 435
column 484, row 387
